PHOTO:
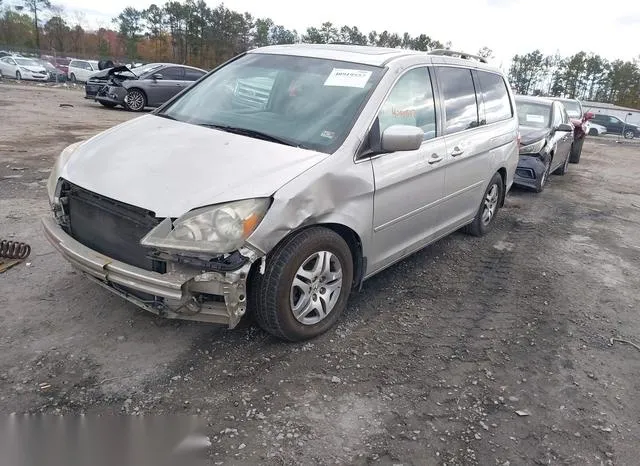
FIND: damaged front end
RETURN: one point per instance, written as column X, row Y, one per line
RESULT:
column 102, row 238
column 111, row 90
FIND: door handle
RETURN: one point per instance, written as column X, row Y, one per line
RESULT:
column 435, row 158
column 458, row 150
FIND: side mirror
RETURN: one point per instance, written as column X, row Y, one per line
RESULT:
column 157, row 76
column 589, row 116
column 565, row 127
column 401, row 138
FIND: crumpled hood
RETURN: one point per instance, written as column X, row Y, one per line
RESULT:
column 35, row 69
column 170, row 167
column 529, row 135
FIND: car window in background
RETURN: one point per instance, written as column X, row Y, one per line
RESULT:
column 497, row 105
column 573, row 109
column 461, row 107
column 411, row 103
column 174, row 73
column 192, row 75
column 533, row 114
column 307, row 102
column 565, row 115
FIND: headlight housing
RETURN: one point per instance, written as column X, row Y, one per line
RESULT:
column 215, row 229
column 62, row 160
column 534, row 148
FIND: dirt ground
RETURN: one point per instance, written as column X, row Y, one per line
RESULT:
column 431, row 363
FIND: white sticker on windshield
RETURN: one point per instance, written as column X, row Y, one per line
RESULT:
column 535, row 118
column 343, row 77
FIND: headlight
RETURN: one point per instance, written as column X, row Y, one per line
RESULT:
column 215, row 230
column 63, row 158
column 534, row 148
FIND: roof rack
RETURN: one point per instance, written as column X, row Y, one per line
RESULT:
column 453, row 53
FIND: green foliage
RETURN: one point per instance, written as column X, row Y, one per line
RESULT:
column 582, row 76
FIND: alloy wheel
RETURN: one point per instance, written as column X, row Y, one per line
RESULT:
column 316, row 287
column 490, row 204
column 135, row 100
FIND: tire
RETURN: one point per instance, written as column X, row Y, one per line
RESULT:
column 564, row 168
column 274, row 295
column 576, row 151
column 629, row 134
column 18, row 76
column 593, row 132
column 480, row 226
column 135, row 100
column 73, row 78
column 542, row 181
column 107, row 104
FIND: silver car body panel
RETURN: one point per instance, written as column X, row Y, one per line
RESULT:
column 395, row 203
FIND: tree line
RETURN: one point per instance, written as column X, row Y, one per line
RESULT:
column 191, row 32
column 582, row 76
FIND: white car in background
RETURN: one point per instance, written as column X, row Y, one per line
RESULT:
column 81, row 70
column 22, row 68
column 594, row 129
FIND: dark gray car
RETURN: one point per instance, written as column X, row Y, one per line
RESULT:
column 146, row 86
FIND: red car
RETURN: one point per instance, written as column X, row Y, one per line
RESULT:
column 579, row 120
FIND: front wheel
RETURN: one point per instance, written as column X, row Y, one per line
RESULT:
column 73, row 78
column 18, row 76
column 544, row 177
column 593, row 132
column 564, row 168
column 135, row 100
column 485, row 216
column 305, row 287
column 629, row 134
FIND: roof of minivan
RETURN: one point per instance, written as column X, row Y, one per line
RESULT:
column 364, row 54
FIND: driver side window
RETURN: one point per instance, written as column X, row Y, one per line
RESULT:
column 411, row 103
column 557, row 115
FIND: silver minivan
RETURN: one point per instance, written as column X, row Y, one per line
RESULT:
column 283, row 179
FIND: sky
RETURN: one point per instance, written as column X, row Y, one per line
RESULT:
column 609, row 28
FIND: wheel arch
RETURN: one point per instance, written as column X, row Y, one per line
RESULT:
column 352, row 239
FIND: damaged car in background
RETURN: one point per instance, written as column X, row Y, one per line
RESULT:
column 146, row 86
column 281, row 181
column 546, row 134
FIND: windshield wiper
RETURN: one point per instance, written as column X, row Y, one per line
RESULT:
column 253, row 134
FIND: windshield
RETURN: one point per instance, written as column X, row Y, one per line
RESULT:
column 307, row 102
column 573, row 109
column 145, row 69
column 533, row 114
column 26, row 62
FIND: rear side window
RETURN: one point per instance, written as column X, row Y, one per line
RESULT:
column 460, row 104
column 497, row 105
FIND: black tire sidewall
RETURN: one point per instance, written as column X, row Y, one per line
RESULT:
column 282, row 279
column 477, row 227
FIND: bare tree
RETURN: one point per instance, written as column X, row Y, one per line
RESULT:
column 34, row 7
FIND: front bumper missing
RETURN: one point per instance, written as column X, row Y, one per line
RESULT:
column 181, row 292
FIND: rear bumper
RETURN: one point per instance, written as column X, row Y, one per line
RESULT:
column 179, row 292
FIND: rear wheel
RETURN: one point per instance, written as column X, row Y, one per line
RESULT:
column 305, row 286
column 593, row 132
column 73, row 78
column 486, row 214
column 135, row 100
column 629, row 134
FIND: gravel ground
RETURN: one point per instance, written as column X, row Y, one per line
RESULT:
column 493, row 350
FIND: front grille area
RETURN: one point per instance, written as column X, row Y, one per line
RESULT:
column 109, row 227
column 526, row 173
